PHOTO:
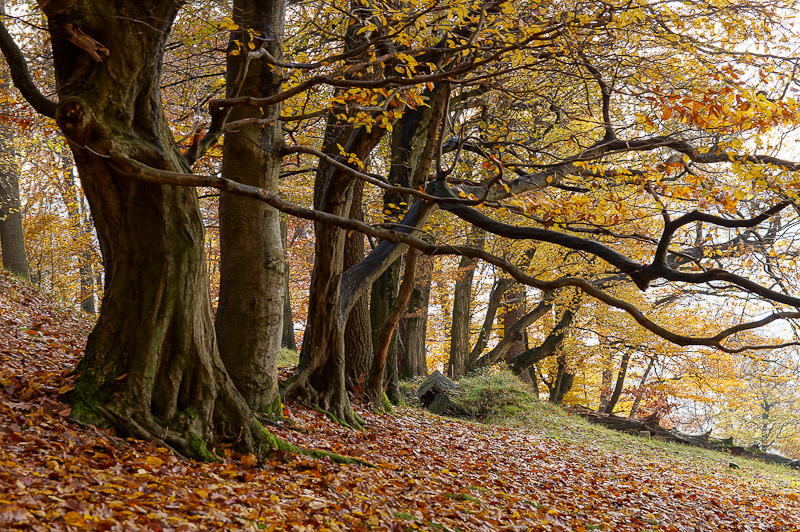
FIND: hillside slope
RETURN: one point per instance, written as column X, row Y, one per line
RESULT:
column 555, row 473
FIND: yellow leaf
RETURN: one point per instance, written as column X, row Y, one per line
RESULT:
column 249, row 460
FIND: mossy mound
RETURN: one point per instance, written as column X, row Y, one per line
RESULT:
column 494, row 394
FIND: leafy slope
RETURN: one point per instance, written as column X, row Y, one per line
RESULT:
column 433, row 474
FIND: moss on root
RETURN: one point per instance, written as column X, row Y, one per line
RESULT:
column 199, row 448
column 85, row 405
column 272, row 442
column 274, row 410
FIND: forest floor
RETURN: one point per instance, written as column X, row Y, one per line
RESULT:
column 546, row 471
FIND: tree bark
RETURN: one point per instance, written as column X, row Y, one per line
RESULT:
column 415, row 360
column 495, row 298
column 375, row 385
column 151, row 368
column 12, row 234
column 409, row 166
column 358, row 331
column 249, row 322
column 457, row 364
column 623, row 369
column 320, row 378
column 382, row 298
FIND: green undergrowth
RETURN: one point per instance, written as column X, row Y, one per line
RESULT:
column 287, row 357
column 494, row 395
column 502, row 399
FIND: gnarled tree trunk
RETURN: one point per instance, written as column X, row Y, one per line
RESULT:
column 151, row 368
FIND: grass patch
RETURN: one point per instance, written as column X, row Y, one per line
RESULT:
column 408, row 390
column 287, row 357
column 494, row 395
column 504, row 400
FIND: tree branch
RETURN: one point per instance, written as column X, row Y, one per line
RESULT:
column 22, row 76
column 136, row 170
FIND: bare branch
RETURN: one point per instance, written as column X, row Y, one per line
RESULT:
column 136, row 170
column 22, row 76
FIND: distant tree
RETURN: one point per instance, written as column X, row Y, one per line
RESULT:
column 12, row 235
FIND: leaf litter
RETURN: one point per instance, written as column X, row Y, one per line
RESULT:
column 433, row 473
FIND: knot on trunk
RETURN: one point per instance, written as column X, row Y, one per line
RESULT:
column 80, row 127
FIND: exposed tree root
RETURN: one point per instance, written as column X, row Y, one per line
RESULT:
column 334, row 402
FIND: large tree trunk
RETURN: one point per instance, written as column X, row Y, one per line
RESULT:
column 12, row 235
column 151, row 368
column 414, row 362
column 460, row 325
column 251, row 292
column 320, row 378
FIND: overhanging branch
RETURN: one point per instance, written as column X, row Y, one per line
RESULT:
column 22, row 76
column 135, row 170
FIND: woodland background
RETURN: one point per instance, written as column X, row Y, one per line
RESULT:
column 731, row 91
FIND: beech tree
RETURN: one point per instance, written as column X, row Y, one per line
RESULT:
column 12, row 235
column 249, row 322
column 151, row 367
column 606, row 132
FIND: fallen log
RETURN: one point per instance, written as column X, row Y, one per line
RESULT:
column 652, row 425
